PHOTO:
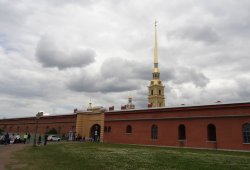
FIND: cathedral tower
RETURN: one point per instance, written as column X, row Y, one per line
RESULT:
column 156, row 88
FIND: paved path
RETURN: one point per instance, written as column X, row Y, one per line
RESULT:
column 6, row 153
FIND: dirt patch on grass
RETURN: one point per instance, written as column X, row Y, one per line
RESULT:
column 6, row 156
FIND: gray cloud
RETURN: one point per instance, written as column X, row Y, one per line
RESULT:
column 85, row 83
column 52, row 55
column 200, row 33
column 243, row 90
column 115, row 75
column 183, row 75
column 118, row 75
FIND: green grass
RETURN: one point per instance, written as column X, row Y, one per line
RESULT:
column 74, row 156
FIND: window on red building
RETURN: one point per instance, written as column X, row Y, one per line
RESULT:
column 129, row 129
column 246, row 133
column 211, row 132
column 105, row 129
column 109, row 129
column 182, row 132
column 59, row 129
column 154, row 132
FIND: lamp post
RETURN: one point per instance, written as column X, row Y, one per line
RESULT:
column 38, row 115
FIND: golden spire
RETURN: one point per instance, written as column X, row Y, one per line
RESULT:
column 155, row 48
column 156, row 69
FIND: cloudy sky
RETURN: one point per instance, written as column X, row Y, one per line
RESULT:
column 57, row 54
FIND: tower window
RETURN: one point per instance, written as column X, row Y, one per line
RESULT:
column 159, row 92
column 152, row 92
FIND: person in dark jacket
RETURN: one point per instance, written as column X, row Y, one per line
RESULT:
column 7, row 138
column 39, row 140
column 29, row 137
column 45, row 139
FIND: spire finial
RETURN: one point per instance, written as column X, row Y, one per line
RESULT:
column 90, row 105
column 155, row 48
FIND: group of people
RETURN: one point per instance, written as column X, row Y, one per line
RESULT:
column 26, row 138
column 12, row 139
column 39, row 141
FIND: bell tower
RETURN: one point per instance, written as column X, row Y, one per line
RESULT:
column 156, row 88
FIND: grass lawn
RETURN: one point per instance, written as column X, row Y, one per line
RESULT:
column 71, row 156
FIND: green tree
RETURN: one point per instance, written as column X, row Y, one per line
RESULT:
column 1, row 131
column 52, row 131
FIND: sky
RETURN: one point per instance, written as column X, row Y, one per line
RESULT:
column 57, row 55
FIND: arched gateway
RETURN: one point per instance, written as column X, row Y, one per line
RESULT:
column 89, row 124
column 95, row 132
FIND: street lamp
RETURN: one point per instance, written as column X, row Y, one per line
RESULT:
column 38, row 115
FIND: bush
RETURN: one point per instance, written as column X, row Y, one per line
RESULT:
column 52, row 131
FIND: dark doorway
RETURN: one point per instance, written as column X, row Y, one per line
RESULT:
column 154, row 132
column 246, row 133
column 211, row 132
column 95, row 132
column 129, row 129
column 182, row 132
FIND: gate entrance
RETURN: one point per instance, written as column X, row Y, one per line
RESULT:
column 95, row 132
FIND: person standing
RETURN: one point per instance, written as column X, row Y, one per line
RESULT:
column 29, row 136
column 12, row 138
column 6, row 138
column 45, row 139
column 39, row 140
column 25, row 136
column 95, row 135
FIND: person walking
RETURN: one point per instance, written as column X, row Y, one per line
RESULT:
column 45, row 139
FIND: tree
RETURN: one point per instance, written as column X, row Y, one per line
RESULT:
column 1, row 131
column 52, row 131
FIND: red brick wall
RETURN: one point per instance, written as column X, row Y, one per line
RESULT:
column 62, row 123
column 228, row 120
